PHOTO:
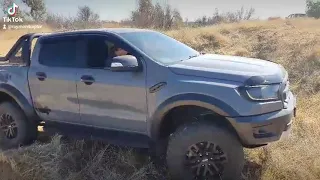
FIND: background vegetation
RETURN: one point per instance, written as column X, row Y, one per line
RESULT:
column 147, row 15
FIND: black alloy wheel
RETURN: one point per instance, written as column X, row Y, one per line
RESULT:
column 206, row 160
column 8, row 126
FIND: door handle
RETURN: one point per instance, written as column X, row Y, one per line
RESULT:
column 41, row 76
column 88, row 80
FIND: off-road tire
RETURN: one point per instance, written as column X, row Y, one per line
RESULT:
column 196, row 132
column 25, row 131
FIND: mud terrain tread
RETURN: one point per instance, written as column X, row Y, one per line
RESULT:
column 200, row 131
column 27, row 131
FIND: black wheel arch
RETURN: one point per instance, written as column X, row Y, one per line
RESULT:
column 190, row 99
column 10, row 91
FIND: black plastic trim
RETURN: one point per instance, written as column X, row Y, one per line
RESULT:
column 200, row 100
column 115, row 137
column 157, row 87
column 21, row 101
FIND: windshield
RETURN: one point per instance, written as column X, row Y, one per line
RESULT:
column 160, row 47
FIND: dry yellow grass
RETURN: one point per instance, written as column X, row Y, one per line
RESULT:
column 9, row 37
column 293, row 43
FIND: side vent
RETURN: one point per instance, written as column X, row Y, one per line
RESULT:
column 157, row 87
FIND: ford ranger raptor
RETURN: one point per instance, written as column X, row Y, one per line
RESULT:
column 198, row 110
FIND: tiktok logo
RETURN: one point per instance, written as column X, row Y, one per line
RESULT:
column 12, row 10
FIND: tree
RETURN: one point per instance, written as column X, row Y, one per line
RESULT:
column 313, row 9
column 177, row 19
column 86, row 18
column 58, row 21
column 243, row 15
column 203, row 21
column 228, row 17
column 249, row 14
column 216, row 18
column 168, row 18
column 158, row 16
column 37, row 9
column 143, row 15
column 86, row 14
column 5, row 5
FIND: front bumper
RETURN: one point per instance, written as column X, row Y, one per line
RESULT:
column 262, row 129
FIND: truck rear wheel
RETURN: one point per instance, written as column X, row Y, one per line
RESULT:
column 15, row 129
column 204, row 151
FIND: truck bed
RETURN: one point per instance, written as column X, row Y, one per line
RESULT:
column 16, row 62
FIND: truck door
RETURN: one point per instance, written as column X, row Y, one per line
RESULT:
column 52, row 78
column 110, row 100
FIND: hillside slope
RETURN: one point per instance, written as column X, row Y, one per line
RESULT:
column 293, row 43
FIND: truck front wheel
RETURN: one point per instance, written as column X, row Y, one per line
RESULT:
column 15, row 129
column 204, row 151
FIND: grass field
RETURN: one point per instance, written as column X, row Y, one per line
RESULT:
column 293, row 43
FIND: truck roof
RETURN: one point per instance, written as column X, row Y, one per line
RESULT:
column 100, row 30
column 62, row 33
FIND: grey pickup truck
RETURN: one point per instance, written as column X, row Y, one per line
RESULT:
column 143, row 89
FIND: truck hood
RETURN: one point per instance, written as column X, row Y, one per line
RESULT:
column 232, row 68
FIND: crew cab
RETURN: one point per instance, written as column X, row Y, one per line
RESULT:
column 197, row 109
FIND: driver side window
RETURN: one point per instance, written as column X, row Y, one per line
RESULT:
column 102, row 53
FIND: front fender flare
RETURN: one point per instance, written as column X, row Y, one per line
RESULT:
column 19, row 98
column 199, row 100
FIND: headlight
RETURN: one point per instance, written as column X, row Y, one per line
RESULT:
column 263, row 92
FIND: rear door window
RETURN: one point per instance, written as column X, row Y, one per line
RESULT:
column 60, row 53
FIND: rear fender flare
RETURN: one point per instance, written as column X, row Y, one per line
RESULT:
column 23, row 103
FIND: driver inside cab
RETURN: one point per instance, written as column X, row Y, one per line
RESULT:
column 116, row 51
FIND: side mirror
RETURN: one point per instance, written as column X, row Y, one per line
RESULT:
column 124, row 63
